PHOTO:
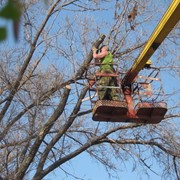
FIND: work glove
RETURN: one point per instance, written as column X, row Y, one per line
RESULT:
column 94, row 49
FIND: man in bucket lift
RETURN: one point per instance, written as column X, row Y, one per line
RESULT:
column 105, row 58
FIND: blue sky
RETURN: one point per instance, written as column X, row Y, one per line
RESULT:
column 86, row 168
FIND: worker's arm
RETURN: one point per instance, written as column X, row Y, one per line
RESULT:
column 99, row 55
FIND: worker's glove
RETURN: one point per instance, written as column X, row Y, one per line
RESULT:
column 94, row 49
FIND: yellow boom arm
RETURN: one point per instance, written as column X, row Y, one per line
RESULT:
column 168, row 21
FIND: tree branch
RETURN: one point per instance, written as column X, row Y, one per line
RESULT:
column 60, row 133
column 85, row 65
column 134, row 141
column 24, row 66
column 94, row 141
column 43, row 132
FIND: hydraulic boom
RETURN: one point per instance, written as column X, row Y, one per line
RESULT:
column 168, row 21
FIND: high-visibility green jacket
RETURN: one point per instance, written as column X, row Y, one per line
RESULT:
column 107, row 62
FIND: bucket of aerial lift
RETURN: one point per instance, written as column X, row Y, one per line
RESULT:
column 151, row 112
column 117, row 111
column 110, row 111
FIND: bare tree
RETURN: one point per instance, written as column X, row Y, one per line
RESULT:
column 43, row 121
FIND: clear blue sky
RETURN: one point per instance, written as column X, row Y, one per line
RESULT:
column 88, row 169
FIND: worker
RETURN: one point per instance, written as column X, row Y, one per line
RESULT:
column 105, row 58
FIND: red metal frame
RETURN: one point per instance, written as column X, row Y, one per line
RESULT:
column 124, row 110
